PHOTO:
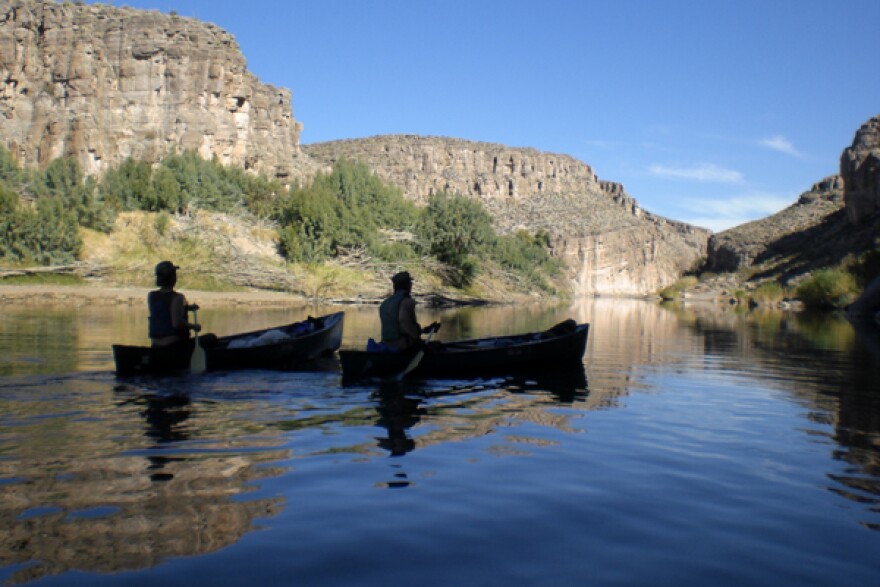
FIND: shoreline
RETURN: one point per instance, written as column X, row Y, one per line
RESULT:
column 81, row 295
column 105, row 295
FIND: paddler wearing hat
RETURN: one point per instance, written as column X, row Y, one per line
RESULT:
column 168, row 309
column 400, row 329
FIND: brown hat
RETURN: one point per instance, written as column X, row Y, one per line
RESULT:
column 166, row 268
column 401, row 279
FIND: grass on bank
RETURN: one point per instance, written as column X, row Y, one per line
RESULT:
column 675, row 291
column 46, row 217
column 43, row 279
column 202, row 243
column 828, row 289
column 768, row 294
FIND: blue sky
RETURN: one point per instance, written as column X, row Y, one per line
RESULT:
column 708, row 111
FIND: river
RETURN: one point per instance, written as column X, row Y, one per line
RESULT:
column 694, row 447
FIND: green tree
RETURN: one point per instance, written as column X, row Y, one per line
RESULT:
column 203, row 184
column 8, row 200
column 262, row 196
column 454, row 229
column 344, row 208
column 129, row 186
column 527, row 255
column 166, row 193
column 45, row 234
column 64, row 181
column 310, row 222
column 10, row 171
column 827, row 288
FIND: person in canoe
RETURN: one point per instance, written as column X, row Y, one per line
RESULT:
column 168, row 310
column 400, row 329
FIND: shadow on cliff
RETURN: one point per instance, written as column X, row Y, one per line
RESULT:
column 820, row 246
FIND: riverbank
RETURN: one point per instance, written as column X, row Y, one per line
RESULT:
column 80, row 295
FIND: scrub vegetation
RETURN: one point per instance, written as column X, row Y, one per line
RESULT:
column 342, row 215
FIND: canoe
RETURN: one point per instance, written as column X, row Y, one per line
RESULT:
column 564, row 344
column 282, row 347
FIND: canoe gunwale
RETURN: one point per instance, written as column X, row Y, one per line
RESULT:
column 281, row 354
column 485, row 356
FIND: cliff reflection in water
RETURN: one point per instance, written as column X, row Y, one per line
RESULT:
column 100, row 491
column 457, row 412
column 102, row 475
column 827, row 364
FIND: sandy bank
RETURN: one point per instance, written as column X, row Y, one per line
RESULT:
column 35, row 295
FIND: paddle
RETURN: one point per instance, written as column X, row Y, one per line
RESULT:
column 197, row 362
column 418, row 358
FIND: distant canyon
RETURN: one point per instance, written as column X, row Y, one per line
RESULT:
column 102, row 84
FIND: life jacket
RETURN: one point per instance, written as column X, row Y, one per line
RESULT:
column 389, row 314
column 160, row 315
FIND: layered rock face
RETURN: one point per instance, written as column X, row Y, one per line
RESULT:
column 103, row 84
column 611, row 245
column 860, row 169
column 838, row 216
column 746, row 244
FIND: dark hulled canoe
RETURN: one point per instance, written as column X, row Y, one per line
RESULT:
column 282, row 347
column 563, row 344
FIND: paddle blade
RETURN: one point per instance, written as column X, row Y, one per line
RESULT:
column 412, row 365
column 418, row 358
column 198, row 364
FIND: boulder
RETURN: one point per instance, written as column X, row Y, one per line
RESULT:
column 860, row 170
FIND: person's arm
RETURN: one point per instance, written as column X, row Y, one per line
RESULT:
column 406, row 315
column 179, row 309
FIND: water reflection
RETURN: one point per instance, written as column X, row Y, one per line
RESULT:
column 99, row 492
column 824, row 362
column 456, row 411
column 98, row 474
column 398, row 412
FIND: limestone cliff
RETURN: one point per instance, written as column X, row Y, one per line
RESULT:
column 860, row 169
column 787, row 231
column 839, row 216
column 102, row 84
column 610, row 244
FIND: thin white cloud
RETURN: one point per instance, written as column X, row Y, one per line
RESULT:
column 721, row 214
column 781, row 144
column 601, row 144
column 705, row 172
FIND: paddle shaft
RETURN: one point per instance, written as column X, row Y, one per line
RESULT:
column 197, row 362
column 418, row 358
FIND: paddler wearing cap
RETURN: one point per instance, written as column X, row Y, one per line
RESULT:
column 168, row 309
column 400, row 329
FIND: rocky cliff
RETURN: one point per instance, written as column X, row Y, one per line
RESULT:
column 611, row 245
column 102, row 84
column 747, row 244
column 860, row 169
column 837, row 217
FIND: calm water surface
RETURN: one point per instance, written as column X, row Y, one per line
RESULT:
column 694, row 447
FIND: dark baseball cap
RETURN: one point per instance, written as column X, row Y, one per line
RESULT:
column 166, row 268
column 401, row 278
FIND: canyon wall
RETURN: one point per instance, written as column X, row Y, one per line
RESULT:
column 839, row 216
column 102, row 84
column 860, row 170
column 610, row 244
